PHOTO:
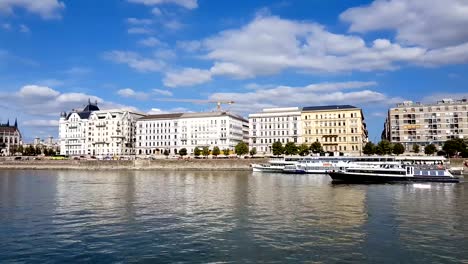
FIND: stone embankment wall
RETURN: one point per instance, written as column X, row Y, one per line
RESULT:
column 187, row 164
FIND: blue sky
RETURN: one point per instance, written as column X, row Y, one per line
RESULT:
column 147, row 54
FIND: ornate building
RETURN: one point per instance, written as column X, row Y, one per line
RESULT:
column 10, row 138
column 98, row 132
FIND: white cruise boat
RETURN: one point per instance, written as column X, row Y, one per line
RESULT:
column 274, row 165
column 322, row 165
column 392, row 173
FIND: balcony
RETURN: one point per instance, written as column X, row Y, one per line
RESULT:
column 100, row 125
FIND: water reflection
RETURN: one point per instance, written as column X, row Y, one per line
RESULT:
column 201, row 216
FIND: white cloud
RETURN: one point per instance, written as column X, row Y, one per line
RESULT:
column 173, row 24
column 47, row 9
column 166, row 54
column 189, row 4
column 139, row 21
column 189, row 46
column 356, row 93
column 139, row 30
column 37, row 91
column 150, row 42
column 41, row 123
column 24, row 29
column 6, row 26
column 135, row 61
column 130, row 93
column 429, row 23
column 157, row 111
column 186, row 77
column 269, row 45
column 156, row 11
column 41, row 106
column 162, row 92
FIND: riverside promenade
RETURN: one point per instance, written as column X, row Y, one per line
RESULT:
column 159, row 164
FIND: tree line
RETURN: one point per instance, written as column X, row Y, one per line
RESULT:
column 32, row 150
column 451, row 148
column 240, row 149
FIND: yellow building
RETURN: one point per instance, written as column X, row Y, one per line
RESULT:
column 339, row 128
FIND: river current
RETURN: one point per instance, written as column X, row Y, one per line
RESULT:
column 232, row 217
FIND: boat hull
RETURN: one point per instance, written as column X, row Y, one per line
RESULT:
column 374, row 178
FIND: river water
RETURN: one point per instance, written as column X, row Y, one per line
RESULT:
column 199, row 217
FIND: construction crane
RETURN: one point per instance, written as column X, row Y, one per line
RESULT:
column 197, row 101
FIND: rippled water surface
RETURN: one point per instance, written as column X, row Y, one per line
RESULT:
column 160, row 217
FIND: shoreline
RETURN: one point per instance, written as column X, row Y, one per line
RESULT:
column 163, row 164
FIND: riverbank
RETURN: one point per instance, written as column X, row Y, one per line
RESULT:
column 163, row 164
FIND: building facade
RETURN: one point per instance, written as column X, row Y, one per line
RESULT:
column 272, row 125
column 172, row 132
column 98, row 132
column 420, row 124
column 10, row 138
column 73, row 128
column 112, row 132
column 339, row 128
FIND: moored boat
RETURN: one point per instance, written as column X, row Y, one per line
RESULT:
column 392, row 173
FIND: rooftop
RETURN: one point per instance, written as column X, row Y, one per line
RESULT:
column 446, row 101
column 8, row 129
column 191, row 115
column 328, row 107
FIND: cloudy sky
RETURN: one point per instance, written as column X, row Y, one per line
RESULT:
column 149, row 54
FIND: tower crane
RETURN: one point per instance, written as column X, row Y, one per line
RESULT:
column 197, row 101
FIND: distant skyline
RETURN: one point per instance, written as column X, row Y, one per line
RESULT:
column 57, row 54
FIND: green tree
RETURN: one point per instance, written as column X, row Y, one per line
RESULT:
column 226, row 152
column 166, row 153
column 20, row 149
column 38, row 150
column 385, row 147
column 464, row 153
column 316, row 147
column 290, row 148
column 303, row 149
column 197, row 152
column 277, row 148
column 183, row 152
column 398, row 149
column 13, row 150
column 430, row 149
column 453, row 146
column 369, row 148
column 205, row 151
column 416, row 148
column 241, row 148
column 253, row 151
column 216, row 151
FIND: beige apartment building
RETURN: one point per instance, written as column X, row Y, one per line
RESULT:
column 339, row 128
column 420, row 124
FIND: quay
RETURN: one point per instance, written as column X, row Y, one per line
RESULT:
column 159, row 164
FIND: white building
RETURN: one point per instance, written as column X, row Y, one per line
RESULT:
column 72, row 131
column 10, row 138
column 157, row 133
column 274, row 124
column 112, row 132
column 98, row 132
